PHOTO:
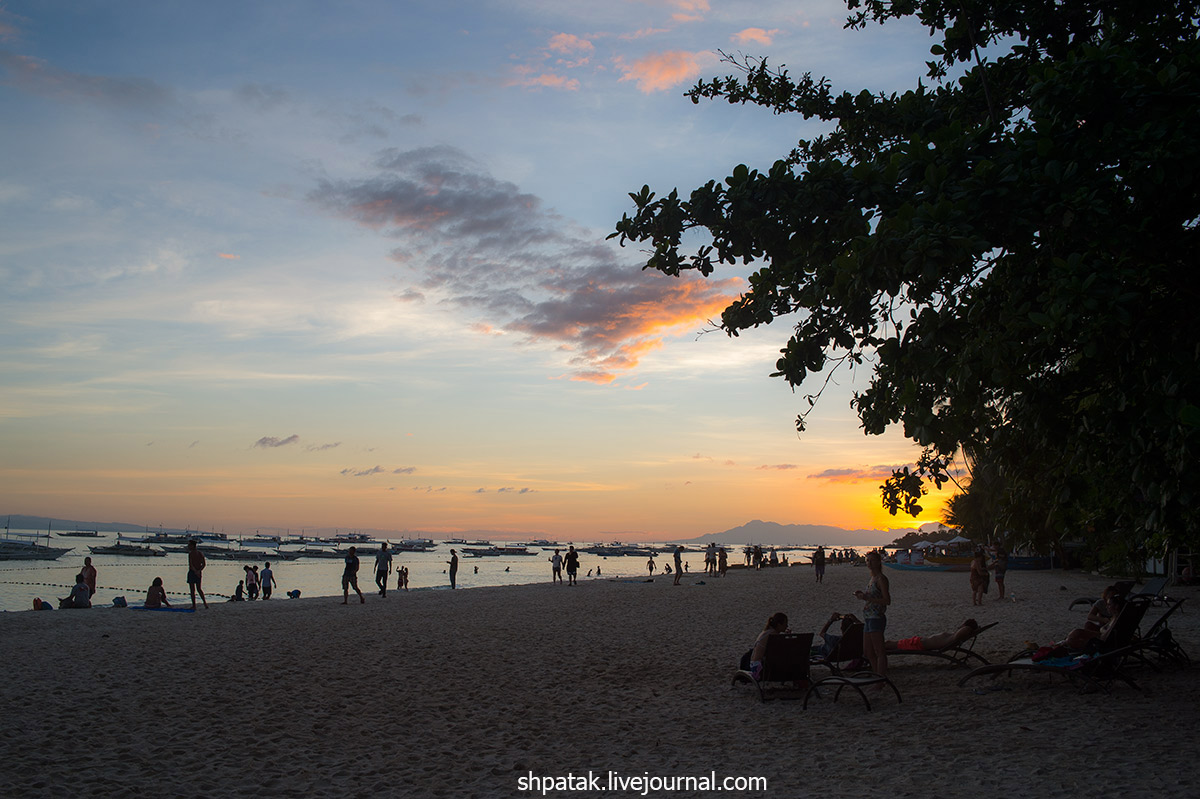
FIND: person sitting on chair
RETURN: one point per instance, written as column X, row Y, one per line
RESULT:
column 1099, row 614
column 778, row 623
column 946, row 640
column 831, row 640
column 1079, row 638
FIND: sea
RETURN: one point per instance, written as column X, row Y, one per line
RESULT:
column 127, row 576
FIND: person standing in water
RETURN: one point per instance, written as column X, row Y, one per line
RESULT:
column 453, row 568
column 89, row 575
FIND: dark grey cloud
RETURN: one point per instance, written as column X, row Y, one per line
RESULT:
column 364, row 472
column 270, row 442
column 322, row 447
column 484, row 246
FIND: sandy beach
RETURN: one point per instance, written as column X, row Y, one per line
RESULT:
column 440, row 693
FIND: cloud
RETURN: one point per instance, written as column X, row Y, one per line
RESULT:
column 512, row 490
column 481, row 245
column 270, row 442
column 405, row 470
column 661, row 71
column 755, row 36
column 779, row 467
column 322, row 447
column 529, row 77
column 37, row 77
column 569, row 44
column 865, row 474
column 228, row 256
column 363, row 472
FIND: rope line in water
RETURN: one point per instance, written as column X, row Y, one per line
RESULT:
column 108, row 588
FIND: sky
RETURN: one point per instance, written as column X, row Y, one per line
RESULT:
column 311, row 265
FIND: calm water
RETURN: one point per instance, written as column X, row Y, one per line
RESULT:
column 119, row 575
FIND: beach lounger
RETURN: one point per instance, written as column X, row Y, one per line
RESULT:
column 959, row 655
column 1159, row 643
column 858, row 681
column 849, row 649
column 1123, row 588
column 1086, row 670
column 785, row 668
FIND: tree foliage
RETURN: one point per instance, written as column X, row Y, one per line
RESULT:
column 1010, row 245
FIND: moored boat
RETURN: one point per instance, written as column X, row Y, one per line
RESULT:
column 26, row 546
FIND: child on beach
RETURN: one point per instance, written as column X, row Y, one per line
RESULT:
column 156, row 595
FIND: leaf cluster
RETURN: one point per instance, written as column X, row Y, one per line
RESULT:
column 1012, row 250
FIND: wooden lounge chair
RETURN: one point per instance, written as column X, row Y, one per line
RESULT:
column 785, row 668
column 960, row 654
column 1086, row 670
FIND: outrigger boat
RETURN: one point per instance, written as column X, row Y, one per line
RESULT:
column 124, row 548
column 25, row 546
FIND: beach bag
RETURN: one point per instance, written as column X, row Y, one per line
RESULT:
column 119, row 602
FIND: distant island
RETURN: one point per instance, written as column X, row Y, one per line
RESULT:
column 753, row 532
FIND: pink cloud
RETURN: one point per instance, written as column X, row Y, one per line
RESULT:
column 568, row 43
column 526, row 77
column 661, row 71
column 228, row 256
column 755, row 36
column 862, row 474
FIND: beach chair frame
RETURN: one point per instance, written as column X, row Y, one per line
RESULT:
column 785, row 661
column 1087, row 672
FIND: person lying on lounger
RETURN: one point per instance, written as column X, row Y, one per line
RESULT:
column 939, row 641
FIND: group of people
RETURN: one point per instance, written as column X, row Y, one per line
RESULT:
column 83, row 590
column 980, row 576
column 255, row 583
column 570, row 562
column 383, row 570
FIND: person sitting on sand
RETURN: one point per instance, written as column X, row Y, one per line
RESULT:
column 919, row 643
column 239, row 593
column 156, row 596
column 80, row 596
column 778, row 623
column 831, row 640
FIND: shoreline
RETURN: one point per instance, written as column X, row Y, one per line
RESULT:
column 459, row 693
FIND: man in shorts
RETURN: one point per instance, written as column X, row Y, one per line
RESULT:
column 196, row 564
column 383, row 567
column 350, row 577
column 556, row 562
column 572, row 561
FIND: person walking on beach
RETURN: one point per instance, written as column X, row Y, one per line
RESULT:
column 402, row 578
column 722, row 561
column 572, row 561
column 678, row 565
column 268, row 580
column 350, row 577
column 650, row 565
column 383, row 567
column 876, row 597
column 453, row 568
column 818, row 560
column 556, row 562
column 195, row 575
column 89, row 576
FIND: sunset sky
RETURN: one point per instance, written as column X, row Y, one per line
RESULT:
column 309, row 264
